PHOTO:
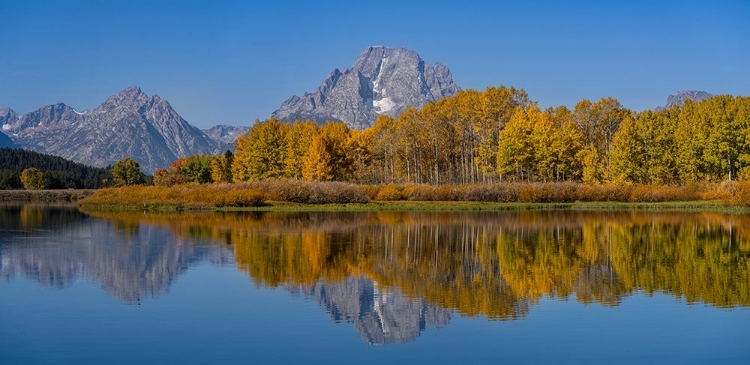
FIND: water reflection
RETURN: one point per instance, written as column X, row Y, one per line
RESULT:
column 57, row 246
column 394, row 274
column 379, row 315
column 493, row 264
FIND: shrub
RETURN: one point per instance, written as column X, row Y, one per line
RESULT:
column 604, row 193
column 371, row 191
column 662, row 193
column 741, row 195
column 307, row 192
column 389, row 193
column 238, row 198
column 501, row 193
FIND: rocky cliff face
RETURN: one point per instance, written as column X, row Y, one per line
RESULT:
column 679, row 97
column 128, row 124
column 382, row 81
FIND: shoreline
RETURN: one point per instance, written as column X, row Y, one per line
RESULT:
column 442, row 206
column 44, row 196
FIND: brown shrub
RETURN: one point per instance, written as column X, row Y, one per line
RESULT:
column 371, row 191
column 501, row 193
column 604, row 193
column 741, row 194
column 308, row 192
column 643, row 193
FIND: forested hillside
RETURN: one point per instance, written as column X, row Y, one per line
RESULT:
column 58, row 172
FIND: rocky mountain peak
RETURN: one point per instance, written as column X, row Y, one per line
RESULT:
column 7, row 118
column 382, row 81
column 7, row 113
column 128, row 124
column 129, row 98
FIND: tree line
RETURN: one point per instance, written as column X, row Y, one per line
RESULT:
column 44, row 171
column 500, row 135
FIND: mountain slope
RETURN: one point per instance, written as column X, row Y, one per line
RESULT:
column 128, row 124
column 381, row 81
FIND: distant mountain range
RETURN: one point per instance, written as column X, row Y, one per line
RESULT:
column 382, row 81
column 128, row 124
column 225, row 133
column 679, row 98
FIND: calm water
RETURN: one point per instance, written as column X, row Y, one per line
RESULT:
column 511, row 287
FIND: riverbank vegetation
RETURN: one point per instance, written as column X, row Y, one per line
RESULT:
column 279, row 194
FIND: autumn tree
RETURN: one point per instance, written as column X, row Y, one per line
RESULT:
column 298, row 140
column 33, row 179
column 195, row 168
column 261, row 153
column 515, row 150
column 317, row 164
column 598, row 122
column 126, row 172
column 335, row 137
column 221, row 167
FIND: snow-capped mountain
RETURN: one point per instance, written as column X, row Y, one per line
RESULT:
column 382, row 81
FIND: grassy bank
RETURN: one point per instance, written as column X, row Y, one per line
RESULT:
column 292, row 195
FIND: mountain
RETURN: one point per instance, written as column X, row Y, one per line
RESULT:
column 382, row 81
column 679, row 97
column 225, row 133
column 128, row 124
column 7, row 116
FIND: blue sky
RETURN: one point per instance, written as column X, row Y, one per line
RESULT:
column 231, row 62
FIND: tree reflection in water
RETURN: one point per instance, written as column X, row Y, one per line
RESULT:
column 394, row 274
column 495, row 264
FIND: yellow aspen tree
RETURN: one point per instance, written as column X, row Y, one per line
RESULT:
column 317, row 164
column 299, row 137
column 261, row 153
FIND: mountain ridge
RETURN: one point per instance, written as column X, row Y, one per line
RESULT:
column 381, row 81
column 129, row 123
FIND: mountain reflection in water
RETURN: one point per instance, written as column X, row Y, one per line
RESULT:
column 394, row 274
column 58, row 246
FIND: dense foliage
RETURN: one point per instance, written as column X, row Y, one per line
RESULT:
column 499, row 135
column 58, row 173
column 33, row 179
